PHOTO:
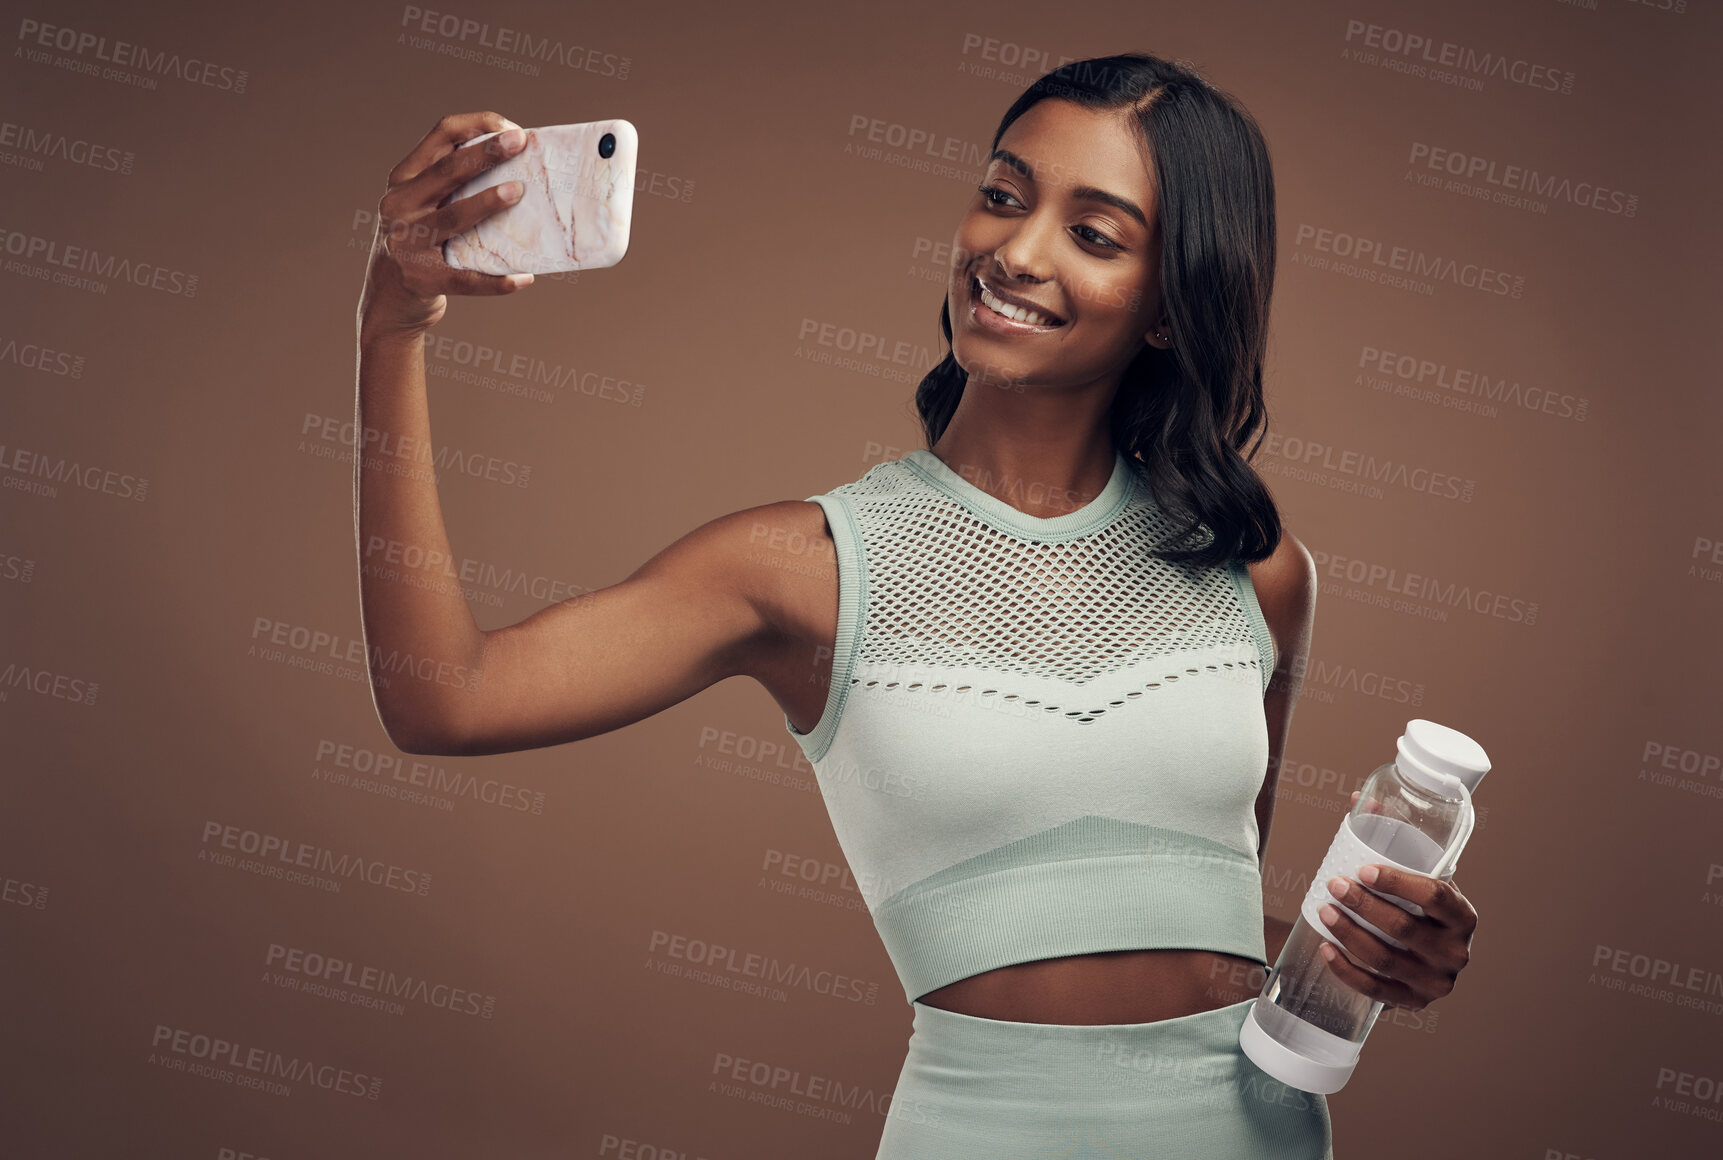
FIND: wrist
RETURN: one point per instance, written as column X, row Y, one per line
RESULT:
column 377, row 334
column 389, row 314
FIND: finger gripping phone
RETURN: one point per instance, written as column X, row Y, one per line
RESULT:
column 575, row 209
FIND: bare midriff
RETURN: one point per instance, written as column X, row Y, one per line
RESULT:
column 1138, row 986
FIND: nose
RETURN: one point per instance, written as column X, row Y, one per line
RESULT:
column 1025, row 254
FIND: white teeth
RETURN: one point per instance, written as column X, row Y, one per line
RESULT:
column 1015, row 313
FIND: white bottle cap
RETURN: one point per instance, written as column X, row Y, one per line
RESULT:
column 1288, row 1066
column 1435, row 756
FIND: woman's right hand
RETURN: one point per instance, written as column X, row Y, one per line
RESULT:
column 407, row 281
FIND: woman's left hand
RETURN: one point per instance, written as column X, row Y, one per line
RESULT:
column 1438, row 942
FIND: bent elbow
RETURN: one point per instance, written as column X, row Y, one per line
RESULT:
column 416, row 737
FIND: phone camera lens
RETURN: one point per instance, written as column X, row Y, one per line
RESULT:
column 607, row 145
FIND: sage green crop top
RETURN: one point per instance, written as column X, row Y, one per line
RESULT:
column 1038, row 740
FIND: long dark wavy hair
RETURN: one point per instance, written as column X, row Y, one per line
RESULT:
column 1186, row 413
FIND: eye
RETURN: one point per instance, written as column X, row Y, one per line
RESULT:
column 993, row 195
column 1100, row 239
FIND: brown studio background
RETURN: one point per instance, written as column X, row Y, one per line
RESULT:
column 543, row 903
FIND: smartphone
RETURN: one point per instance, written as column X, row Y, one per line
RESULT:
column 575, row 209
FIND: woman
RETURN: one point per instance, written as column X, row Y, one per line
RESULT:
column 1046, row 731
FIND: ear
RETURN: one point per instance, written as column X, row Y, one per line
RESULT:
column 1161, row 336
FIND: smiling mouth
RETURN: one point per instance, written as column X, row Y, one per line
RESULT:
column 1018, row 314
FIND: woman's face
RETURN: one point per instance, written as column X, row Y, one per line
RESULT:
column 1065, row 222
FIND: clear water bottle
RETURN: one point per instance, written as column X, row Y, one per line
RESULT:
column 1307, row 1027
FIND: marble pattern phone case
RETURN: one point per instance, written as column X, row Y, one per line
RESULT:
column 574, row 212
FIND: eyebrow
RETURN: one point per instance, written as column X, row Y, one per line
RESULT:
column 1081, row 192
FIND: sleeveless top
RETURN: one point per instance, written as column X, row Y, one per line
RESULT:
column 1038, row 740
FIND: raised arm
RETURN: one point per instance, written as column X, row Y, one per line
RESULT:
column 699, row 611
column 696, row 613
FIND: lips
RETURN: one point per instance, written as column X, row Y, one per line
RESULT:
column 1049, row 318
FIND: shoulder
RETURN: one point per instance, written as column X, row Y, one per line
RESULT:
column 778, row 557
column 1286, row 585
column 755, row 543
column 1289, row 567
column 782, row 556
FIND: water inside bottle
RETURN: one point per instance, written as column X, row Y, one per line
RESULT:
column 1332, row 1018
